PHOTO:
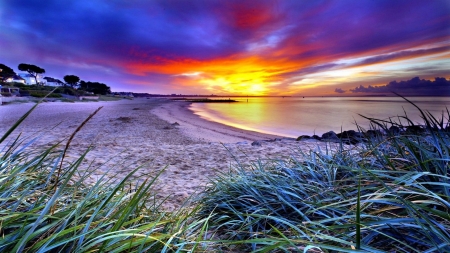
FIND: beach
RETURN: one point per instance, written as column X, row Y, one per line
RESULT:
column 154, row 134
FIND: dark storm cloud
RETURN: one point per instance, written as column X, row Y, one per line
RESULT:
column 413, row 87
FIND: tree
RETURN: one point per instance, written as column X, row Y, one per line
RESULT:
column 32, row 70
column 6, row 72
column 71, row 80
column 95, row 87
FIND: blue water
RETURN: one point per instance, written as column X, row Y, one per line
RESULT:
column 294, row 116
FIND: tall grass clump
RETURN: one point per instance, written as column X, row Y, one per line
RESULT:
column 388, row 194
column 45, row 206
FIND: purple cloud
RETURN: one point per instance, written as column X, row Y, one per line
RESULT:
column 99, row 39
column 413, row 87
column 339, row 90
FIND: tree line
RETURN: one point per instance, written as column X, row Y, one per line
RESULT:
column 72, row 81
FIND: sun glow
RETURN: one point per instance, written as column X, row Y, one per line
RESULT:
column 273, row 73
column 233, row 75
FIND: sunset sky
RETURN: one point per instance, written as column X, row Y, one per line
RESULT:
column 230, row 47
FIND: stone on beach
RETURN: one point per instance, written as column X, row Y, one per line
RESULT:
column 303, row 137
column 256, row 143
column 330, row 136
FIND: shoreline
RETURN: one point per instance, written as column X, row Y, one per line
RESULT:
column 202, row 129
column 128, row 134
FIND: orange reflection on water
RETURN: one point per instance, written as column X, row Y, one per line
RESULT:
column 294, row 116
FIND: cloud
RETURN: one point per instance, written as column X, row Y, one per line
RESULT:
column 406, row 54
column 272, row 44
column 339, row 90
column 413, row 87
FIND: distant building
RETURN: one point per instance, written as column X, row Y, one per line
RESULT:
column 29, row 79
column 15, row 79
column 49, row 81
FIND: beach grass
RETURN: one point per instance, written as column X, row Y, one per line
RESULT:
column 389, row 194
column 45, row 206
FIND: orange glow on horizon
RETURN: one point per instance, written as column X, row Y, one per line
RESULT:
column 275, row 73
column 245, row 76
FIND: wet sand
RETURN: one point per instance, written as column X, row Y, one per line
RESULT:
column 127, row 134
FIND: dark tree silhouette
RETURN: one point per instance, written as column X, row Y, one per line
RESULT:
column 95, row 87
column 71, row 80
column 6, row 72
column 32, row 70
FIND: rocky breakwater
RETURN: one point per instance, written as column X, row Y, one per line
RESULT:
column 352, row 137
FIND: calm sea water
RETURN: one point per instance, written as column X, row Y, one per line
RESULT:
column 294, row 116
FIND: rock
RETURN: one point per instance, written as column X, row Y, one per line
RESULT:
column 175, row 124
column 256, row 143
column 124, row 119
column 303, row 137
column 330, row 136
column 351, row 137
column 415, row 129
column 242, row 143
column 346, row 134
column 373, row 133
column 272, row 140
column 394, row 130
column 316, row 137
column 350, row 141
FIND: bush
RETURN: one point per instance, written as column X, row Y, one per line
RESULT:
column 58, row 90
column 24, row 93
column 69, row 91
column 17, row 84
column 41, row 94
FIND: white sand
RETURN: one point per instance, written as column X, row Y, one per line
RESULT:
column 126, row 134
column 193, row 126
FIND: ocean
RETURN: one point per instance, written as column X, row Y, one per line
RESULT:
column 295, row 116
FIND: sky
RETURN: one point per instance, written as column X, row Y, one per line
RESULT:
column 287, row 48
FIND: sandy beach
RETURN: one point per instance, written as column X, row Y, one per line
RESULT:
column 153, row 134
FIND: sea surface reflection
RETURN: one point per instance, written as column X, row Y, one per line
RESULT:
column 294, row 116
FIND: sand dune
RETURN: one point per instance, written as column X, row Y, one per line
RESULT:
column 126, row 134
